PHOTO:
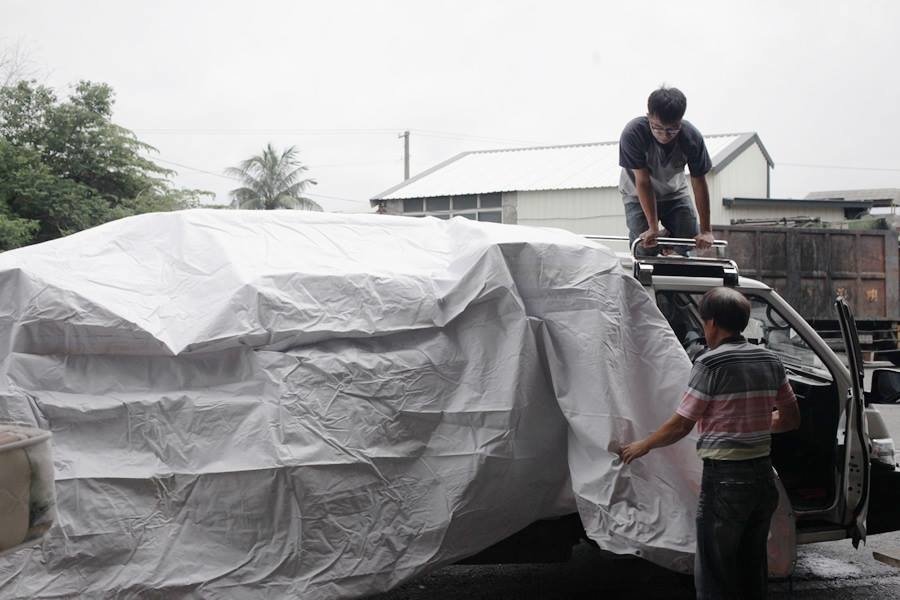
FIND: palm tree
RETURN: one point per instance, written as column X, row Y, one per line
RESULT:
column 272, row 180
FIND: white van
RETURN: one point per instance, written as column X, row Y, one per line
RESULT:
column 837, row 472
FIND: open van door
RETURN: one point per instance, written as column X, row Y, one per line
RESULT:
column 856, row 468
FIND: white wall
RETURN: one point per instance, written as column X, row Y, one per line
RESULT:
column 590, row 211
column 600, row 211
column 744, row 177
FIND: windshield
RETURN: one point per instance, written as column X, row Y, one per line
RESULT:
column 767, row 328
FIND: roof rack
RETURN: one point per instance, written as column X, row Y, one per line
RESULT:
column 645, row 267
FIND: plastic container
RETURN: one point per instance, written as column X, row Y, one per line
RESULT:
column 27, row 492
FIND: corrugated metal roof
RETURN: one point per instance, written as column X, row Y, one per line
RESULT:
column 575, row 166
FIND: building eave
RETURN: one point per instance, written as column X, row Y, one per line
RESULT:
column 820, row 202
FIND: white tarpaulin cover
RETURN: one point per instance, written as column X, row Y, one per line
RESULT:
column 265, row 404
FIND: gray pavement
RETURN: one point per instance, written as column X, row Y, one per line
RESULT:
column 830, row 571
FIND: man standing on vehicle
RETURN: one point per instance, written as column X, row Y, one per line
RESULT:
column 653, row 152
column 732, row 393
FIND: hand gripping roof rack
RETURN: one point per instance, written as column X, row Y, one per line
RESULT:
column 645, row 267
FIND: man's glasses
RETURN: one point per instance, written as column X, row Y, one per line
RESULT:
column 666, row 130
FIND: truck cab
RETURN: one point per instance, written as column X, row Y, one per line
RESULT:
column 837, row 470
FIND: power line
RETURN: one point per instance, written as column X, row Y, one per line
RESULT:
column 276, row 131
column 315, row 166
column 347, row 131
column 183, row 166
column 450, row 135
column 357, row 164
column 190, row 168
column 456, row 135
column 335, row 198
column 843, row 167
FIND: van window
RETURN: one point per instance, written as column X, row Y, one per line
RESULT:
column 767, row 328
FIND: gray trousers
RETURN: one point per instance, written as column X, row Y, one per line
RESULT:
column 677, row 216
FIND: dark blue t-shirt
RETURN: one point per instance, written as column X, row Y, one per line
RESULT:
column 638, row 149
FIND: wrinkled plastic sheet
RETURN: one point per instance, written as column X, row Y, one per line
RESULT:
column 265, row 404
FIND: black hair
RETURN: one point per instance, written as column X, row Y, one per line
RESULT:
column 668, row 104
column 727, row 308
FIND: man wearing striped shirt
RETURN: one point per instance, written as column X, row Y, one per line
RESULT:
column 739, row 395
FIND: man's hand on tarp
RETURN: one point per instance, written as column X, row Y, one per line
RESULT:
column 634, row 450
column 670, row 432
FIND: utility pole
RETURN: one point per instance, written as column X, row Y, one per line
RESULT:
column 405, row 136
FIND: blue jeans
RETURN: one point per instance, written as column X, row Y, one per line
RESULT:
column 737, row 500
column 677, row 216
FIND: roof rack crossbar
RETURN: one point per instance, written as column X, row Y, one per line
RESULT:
column 665, row 241
column 689, row 242
column 619, row 238
column 644, row 266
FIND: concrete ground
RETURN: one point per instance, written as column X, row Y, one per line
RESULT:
column 828, row 571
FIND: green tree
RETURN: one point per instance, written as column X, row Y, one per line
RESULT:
column 15, row 232
column 65, row 166
column 272, row 180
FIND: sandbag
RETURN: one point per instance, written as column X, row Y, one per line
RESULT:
column 27, row 502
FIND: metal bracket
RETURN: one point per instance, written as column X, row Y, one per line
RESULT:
column 892, row 559
column 643, row 272
column 730, row 275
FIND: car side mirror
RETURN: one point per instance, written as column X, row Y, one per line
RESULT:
column 885, row 386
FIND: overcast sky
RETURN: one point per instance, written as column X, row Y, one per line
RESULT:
column 209, row 83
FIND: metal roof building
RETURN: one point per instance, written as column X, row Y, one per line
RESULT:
column 575, row 187
column 876, row 198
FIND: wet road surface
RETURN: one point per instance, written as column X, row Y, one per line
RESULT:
column 828, row 571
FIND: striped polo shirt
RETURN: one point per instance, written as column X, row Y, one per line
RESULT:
column 731, row 394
